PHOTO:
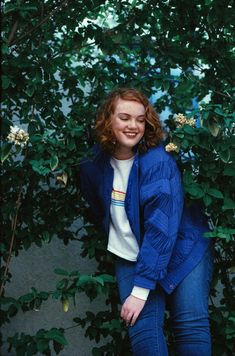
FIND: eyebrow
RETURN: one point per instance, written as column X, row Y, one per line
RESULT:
column 124, row 113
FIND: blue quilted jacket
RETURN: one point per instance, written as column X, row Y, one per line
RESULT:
column 169, row 234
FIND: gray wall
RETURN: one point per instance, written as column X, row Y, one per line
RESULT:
column 34, row 268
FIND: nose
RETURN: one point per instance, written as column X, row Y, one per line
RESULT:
column 132, row 124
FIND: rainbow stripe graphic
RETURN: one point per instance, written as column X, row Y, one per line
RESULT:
column 118, row 198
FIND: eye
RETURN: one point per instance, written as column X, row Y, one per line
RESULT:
column 141, row 120
column 123, row 117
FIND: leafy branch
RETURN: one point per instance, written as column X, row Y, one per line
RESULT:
column 14, row 224
column 40, row 23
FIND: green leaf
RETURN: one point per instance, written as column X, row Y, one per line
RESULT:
column 77, row 320
column 54, row 162
column 5, row 82
column 187, row 178
column 179, row 134
column 28, row 8
column 189, row 130
column 220, row 232
column 228, row 204
column 214, row 128
column 99, row 280
column 39, row 166
column 84, row 279
column 35, row 138
column 57, row 347
column 185, row 144
column 56, row 295
column 90, row 315
column 195, row 190
column 225, row 155
column 133, row 3
column 30, row 90
column 215, row 193
column 229, row 171
column 108, row 278
column 220, row 112
column 166, row 85
column 44, row 295
column 62, row 284
column 26, row 298
column 61, row 272
column 46, row 236
column 9, row 8
column 57, row 335
column 12, row 311
column 223, row 235
column 5, row 151
column 207, row 200
column 42, row 345
column 114, row 324
column 5, row 48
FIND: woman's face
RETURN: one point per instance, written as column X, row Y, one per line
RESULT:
column 128, row 125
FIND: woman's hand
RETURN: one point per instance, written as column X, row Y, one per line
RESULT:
column 131, row 309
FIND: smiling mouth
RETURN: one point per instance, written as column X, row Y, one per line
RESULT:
column 130, row 134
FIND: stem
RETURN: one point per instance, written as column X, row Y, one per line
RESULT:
column 13, row 31
column 57, row 54
column 64, row 3
column 72, row 327
column 18, row 202
column 227, row 95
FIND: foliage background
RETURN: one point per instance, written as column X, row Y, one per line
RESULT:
column 58, row 54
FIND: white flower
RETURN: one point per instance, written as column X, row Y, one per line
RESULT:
column 14, row 129
column 171, row 147
column 18, row 136
column 182, row 120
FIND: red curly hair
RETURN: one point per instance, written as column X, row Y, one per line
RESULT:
column 153, row 131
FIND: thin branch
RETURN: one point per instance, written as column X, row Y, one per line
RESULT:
column 18, row 203
column 57, row 54
column 193, row 78
column 42, row 14
column 72, row 327
column 215, row 91
column 13, row 31
column 65, row 3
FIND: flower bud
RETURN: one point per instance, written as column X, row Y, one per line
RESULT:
column 171, row 147
column 65, row 304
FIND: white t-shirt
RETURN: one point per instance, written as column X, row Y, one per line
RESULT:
column 122, row 241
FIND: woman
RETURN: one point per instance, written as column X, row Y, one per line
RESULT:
column 134, row 189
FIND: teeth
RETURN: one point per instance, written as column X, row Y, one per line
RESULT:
column 131, row 134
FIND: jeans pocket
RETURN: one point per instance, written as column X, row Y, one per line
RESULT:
column 125, row 271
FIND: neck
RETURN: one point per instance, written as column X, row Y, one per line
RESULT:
column 123, row 154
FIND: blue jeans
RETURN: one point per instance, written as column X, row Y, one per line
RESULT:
column 188, row 307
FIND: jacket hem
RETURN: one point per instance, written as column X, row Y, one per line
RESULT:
column 173, row 278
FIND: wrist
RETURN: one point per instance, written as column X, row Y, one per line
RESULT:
column 140, row 293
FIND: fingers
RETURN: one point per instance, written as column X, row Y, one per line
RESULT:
column 131, row 310
column 126, row 314
column 128, row 321
column 130, row 318
column 134, row 318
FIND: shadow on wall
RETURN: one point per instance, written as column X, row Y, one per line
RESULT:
column 34, row 268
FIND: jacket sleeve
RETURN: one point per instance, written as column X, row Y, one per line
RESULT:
column 161, row 200
column 89, row 181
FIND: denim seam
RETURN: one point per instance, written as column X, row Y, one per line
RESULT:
column 155, row 327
